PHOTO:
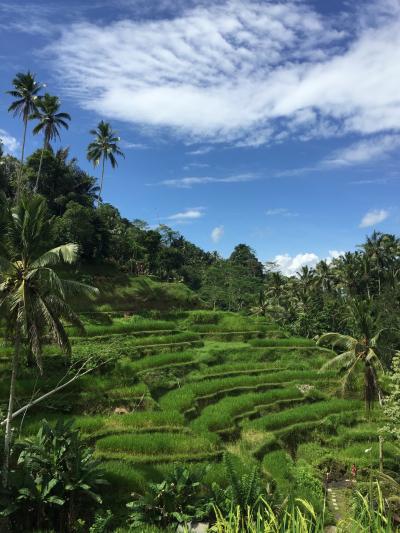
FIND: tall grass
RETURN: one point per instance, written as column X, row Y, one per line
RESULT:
column 299, row 518
column 302, row 413
column 289, row 341
column 223, row 413
column 124, row 325
column 155, row 361
column 164, row 446
column 278, row 465
column 186, row 396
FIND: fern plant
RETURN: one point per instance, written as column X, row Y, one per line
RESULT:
column 244, row 492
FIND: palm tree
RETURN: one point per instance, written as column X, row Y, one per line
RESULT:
column 26, row 91
column 50, row 121
column 104, row 147
column 370, row 350
column 324, row 276
column 32, row 296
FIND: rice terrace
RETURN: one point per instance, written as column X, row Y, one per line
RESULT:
column 199, row 266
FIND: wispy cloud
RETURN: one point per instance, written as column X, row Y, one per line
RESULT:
column 240, row 71
column 192, row 181
column 280, row 211
column 217, row 234
column 133, row 146
column 188, row 215
column 200, row 151
column 10, row 143
column 373, row 217
column 195, row 165
column 364, row 151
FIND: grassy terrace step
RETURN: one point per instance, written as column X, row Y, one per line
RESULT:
column 96, row 426
column 155, row 447
column 221, row 415
column 124, row 325
column 186, row 397
column 303, row 413
column 232, row 335
column 158, row 361
column 233, row 369
column 89, row 391
column 292, row 342
column 122, row 345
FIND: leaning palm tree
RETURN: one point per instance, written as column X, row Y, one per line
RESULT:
column 26, row 91
column 104, row 147
column 32, row 296
column 370, row 350
column 50, row 121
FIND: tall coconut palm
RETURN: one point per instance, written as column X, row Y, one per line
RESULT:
column 26, row 92
column 32, row 296
column 50, row 121
column 104, row 147
column 324, row 278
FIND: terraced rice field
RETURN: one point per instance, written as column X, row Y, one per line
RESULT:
column 188, row 386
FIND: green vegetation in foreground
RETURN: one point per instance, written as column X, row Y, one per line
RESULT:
column 264, row 400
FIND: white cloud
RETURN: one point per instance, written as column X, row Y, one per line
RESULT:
column 217, row 234
column 290, row 265
column 280, row 211
column 373, row 217
column 201, row 151
column 189, row 182
column 10, row 143
column 364, row 151
column 333, row 254
column 134, row 146
column 189, row 214
column 240, row 71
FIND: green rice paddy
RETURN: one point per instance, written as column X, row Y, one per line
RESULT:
column 187, row 386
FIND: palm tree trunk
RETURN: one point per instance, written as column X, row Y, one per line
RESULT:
column 11, row 400
column 22, row 159
column 40, row 168
column 101, row 182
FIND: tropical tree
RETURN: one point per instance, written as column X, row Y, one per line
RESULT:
column 369, row 349
column 26, row 93
column 33, row 298
column 104, row 147
column 50, row 121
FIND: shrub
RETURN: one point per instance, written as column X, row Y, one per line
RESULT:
column 176, row 500
column 60, row 478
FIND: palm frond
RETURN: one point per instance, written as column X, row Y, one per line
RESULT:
column 343, row 360
column 337, row 340
column 67, row 253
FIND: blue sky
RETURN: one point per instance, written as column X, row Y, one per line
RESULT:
column 271, row 123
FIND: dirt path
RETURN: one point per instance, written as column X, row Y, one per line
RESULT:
column 338, row 498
